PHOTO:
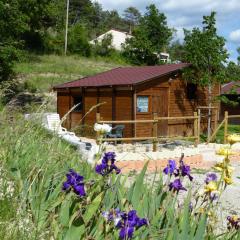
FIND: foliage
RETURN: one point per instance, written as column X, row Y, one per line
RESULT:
column 151, row 36
column 176, row 51
column 78, row 41
column 232, row 72
column 36, row 163
column 132, row 17
column 104, row 47
column 206, row 52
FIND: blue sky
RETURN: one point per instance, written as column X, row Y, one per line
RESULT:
column 188, row 14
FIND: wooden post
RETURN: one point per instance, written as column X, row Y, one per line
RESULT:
column 199, row 125
column 215, row 120
column 225, row 126
column 155, row 132
column 195, row 131
column 98, row 118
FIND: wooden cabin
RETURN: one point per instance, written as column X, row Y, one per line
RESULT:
column 131, row 93
column 231, row 91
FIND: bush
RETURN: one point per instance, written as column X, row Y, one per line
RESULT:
column 78, row 40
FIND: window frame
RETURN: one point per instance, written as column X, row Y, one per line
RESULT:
column 81, row 105
column 148, row 97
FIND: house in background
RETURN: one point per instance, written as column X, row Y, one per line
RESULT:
column 132, row 93
column 118, row 38
column 231, row 91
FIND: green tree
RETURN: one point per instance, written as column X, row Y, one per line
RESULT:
column 104, row 48
column 78, row 40
column 232, row 72
column 150, row 37
column 205, row 50
column 12, row 25
column 176, row 51
column 132, row 17
column 41, row 15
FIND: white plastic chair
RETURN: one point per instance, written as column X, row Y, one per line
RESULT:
column 54, row 124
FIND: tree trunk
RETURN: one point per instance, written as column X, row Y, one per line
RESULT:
column 209, row 110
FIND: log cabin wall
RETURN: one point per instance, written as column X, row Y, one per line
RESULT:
column 124, row 109
column 181, row 105
column 157, row 92
column 64, row 102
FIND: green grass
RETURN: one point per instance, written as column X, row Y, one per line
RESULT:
column 42, row 72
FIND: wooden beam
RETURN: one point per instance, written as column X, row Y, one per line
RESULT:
column 83, row 105
column 69, row 107
column 113, row 104
column 177, row 118
column 155, row 132
column 225, row 127
column 144, row 138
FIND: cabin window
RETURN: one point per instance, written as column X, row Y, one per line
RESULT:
column 77, row 100
column 142, row 104
column 191, row 91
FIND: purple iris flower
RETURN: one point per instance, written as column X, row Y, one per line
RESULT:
column 233, row 222
column 75, row 182
column 171, row 167
column 185, row 170
column 126, row 222
column 107, row 165
column 176, row 185
column 211, row 177
column 126, row 232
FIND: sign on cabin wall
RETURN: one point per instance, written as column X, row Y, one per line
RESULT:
column 142, row 104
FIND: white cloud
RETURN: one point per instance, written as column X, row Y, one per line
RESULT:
column 235, row 36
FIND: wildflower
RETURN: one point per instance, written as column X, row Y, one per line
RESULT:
column 214, row 195
column 129, row 223
column 233, row 222
column 102, row 128
column 224, row 151
column 228, row 180
column 126, row 222
column 107, row 165
column 210, row 187
column 75, row 182
column 176, row 186
column 211, row 177
column 185, row 170
column 170, row 167
column 224, row 167
column 233, row 138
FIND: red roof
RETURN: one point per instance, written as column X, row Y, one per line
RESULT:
column 227, row 87
column 124, row 76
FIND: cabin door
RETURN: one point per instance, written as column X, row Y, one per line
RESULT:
column 160, row 106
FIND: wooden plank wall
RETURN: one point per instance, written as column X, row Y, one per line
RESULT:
column 90, row 100
column 180, row 105
column 149, row 89
column 123, row 110
column 63, row 103
column 105, row 96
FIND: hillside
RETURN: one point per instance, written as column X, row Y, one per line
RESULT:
column 40, row 73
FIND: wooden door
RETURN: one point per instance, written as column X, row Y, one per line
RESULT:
column 160, row 106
